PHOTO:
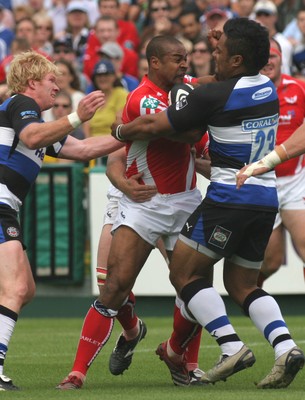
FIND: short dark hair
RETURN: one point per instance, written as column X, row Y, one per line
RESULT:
column 249, row 39
column 158, row 46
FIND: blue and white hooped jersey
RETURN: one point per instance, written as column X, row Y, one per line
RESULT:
column 241, row 115
column 19, row 166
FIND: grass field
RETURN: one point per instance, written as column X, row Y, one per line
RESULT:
column 42, row 350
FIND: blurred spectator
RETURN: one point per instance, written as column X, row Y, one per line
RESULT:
column 175, row 9
column 19, row 45
column 201, row 60
column 266, row 13
column 158, row 21
column 215, row 18
column 37, row 5
column 106, row 30
column 191, row 28
column 62, row 49
column 44, row 32
column 287, row 11
column 77, row 29
column 128, row 34
column 69, row 82
column 62, row 107
column 22, row 11
column 26, row 28
column 114, row 53
column 6, row 36
column 299, row 50
column 245, row 8
column 58, row 14
column 142, row 67
column 104, row 79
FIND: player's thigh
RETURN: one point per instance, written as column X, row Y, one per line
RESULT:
column 294, row 221
column 275, row 250
column 128, row 253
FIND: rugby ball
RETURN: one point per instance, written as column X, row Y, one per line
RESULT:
column 179, row 92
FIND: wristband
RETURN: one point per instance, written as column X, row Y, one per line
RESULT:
column 118, row 135
column 269, row 161
column 74, row 119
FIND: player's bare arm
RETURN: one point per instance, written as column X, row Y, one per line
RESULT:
column 37, row 135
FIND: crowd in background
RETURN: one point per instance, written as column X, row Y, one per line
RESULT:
column 101, row 43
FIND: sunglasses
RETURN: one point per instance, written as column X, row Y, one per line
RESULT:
column 155, row 9
column 201, row 51
column 47, row 28
column 66, row 51
column 57, row 105
column 263, row 13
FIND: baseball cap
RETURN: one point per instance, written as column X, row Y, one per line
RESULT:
column 111, row 50
column 76, row 6
column 63, row 43
column 216, row 11
column 265, row 6
column 103, row 67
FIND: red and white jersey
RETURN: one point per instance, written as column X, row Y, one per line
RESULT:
column 291, row 93
column 167, row 164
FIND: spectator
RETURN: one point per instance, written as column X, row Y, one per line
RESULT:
column 62, row 107
column 62, row 49
column 245, row 8
column 6, row 36
column 127, row 32
column 191, row 28
column 115, row 54
column 104, row 78
column 158, row 21
column 19, row 45
column 77, row 29
column 22, row 11
column 26, row 28
column 299, row 49
column 106, row 30
column 201, row 60
column 44, row 32
column 266, row 13
column 67, row 80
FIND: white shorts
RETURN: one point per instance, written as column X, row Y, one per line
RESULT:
column 291, row 194
column 161, row 217
column 111, row 211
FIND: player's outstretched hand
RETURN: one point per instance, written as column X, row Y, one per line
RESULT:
column 89, row 104
column 254, row 169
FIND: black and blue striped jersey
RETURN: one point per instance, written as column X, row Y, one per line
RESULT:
column 241, row 115
column 19, row 165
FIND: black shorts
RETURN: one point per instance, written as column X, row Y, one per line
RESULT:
column 229, row 232
column 9, row 225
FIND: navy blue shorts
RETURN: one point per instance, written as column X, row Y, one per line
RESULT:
column 9, row 225
column 229, row 232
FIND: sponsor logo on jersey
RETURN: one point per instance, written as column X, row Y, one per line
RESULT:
column 181, row 103
column 259, row 123
column 40, row 153
column 151, row 103
column 220, row 237
column 29, row 114
column 262, row 94
column 12, row 231
column 291, row 100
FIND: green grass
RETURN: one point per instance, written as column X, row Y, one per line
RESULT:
column 42, row 351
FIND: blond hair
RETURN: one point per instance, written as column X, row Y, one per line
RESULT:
column 26, row 66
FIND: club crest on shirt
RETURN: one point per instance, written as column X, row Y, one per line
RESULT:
column 12, row 231
column 150, row 103
column 220, row 237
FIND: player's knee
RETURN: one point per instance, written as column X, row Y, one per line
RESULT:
column 103, row 310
